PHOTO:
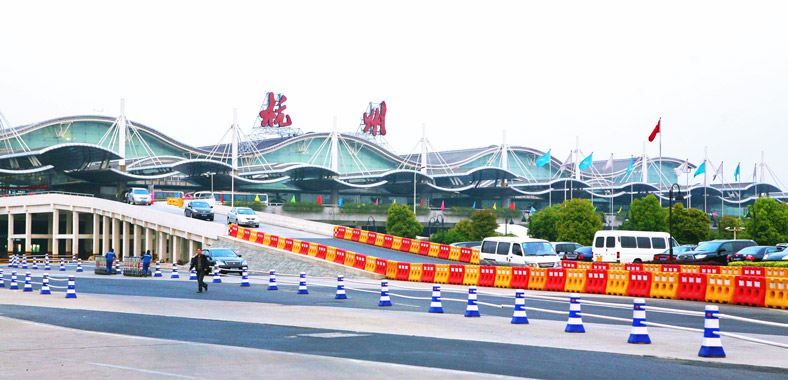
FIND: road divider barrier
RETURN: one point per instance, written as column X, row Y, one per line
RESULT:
column 776, row 293
column 691, row 287
column 576, row 280
column 537, row 278
column 416, row 272
column 472, row 274
column 664, row 285
column 456, row 274
column 428, row 273
column 596, row 281
column 750, row 290
column 519, row 278
column 556, row 280
column 503, row 277
column 720, row 288
column 617, row 282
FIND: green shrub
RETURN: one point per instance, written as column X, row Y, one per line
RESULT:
column 768, row 264
column 507, row 213
column 302, row 207
column 256, row 206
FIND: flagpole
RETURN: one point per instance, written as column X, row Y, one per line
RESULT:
column 660, row 161
column 722, row 179
column 738, row 178
column 550, row 181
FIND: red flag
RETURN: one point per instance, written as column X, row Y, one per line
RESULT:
column 320, row 199
column 511, row 206
column 221, row 199
column 653, row 134
column 421, row 202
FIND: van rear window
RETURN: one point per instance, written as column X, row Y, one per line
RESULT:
column 489, row 247
column 600, row 242
column 644, row 242
column 658, row 243
column 628, row 242
column 611, row 242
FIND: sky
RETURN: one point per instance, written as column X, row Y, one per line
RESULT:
column 546, row 72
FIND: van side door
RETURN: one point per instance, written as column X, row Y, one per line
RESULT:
column 516, row 256
column 502, row 253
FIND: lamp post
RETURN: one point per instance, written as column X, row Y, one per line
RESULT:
column 506, row 223
column 735, row 230
column 679, row 198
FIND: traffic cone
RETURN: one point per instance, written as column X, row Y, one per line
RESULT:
column 62, row 266
column 118, row 269
column 2, row 279
column 519, row 316
column 244, row 279
column 435, row 305
column 712, row 343
column 302, row 284
column 216, row 278
column 639, row 332
column 73, row 258
column 79, row 265
column 11, row 261
column 272, row 281
column 575, row 322
column 193, row 274
column 473, row 309
column 35, row 264
column 71, row 292
column 24, row 262
column 46, row 263
column 385, row 300
column 28, row 286
column 174, row 271
column 45, row 284
column 14, row 285
column 340, row 288
column 158, row 269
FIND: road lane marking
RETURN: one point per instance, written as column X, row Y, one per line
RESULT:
column 147, row 371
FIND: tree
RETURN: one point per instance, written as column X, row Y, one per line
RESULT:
column 483, row 224
column 578, row 221
column 544, row 223
column 464, row 229
column 689, row 225
column 401, row 222
column 728, row 221
column 769, row 222
column 648, row 215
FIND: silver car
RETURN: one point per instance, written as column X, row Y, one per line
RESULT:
column 243, row 216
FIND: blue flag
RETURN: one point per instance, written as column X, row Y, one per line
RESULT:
column 586, row 163
column 737, row 172
column 474, row 204
column 533, row 210
column 541, row 161
column 340, row 202
column 629, row 168
column 700, row 170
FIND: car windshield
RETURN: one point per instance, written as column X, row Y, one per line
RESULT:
column 538, row 249
column 222, row 253
column 245, row 211
column 709, row 246
column 140, row 191
column 200, row 204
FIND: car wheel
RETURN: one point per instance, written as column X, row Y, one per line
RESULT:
column 211, row 219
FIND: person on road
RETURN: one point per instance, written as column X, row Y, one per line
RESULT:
column 146, row 258
column 200, row 264
column 110, row 258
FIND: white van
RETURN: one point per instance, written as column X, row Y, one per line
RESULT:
column 628, row 246
column 205, row 196
column 502, row 250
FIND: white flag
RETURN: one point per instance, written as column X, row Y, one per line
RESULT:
column 718, row 173
column 609, row 164
column 566, row 163
column 683, row 168
column 755, row 172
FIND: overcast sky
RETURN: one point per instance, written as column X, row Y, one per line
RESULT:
column 546, row 72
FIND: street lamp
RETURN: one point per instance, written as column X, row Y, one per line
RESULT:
column 679, row 198
column 506, row 223
column 735, row 230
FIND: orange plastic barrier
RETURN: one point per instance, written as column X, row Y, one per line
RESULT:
column 503, row 277
column 415, row 246
column 639, row 283
column 776, row 292
column 475, row 256
column 379, row 239
column 720, row 288
column 556, row 279
column 617, row 282
column 596, row 281
column 750, row 290
column 633, row 267
column 602, row 266
column 355, row 235
column 348, row 233
column 381, row 265
column 583, row 265
column 472, row 274
column 396, row 243
column 388, row 240
column 322, row 250
column 486, row 275
column 664, row 285
column 616, row 266
column 690, row 268
column 253, row 236
column 466, row 254
column 415, row 272
column 732, row 271
column 371, row 264
column 692, row 286
column 350, row 258
column 519, row 278
column 339, row 256
column 403, row 271
column 361, row 261
column 331, row 254
column 434, row 250
column 710, row 269
column 392, row 267
column 267, row 240
column 428, row 272
column 441, row 274
column 776, row 272
column 456, row 274
column 537, row 278
column 312, row 249
column 362, row 236
column 567, row 264
column 753, row 271
column 454, row 253
column 575, row 280
column 444, row 251
column 652, row 267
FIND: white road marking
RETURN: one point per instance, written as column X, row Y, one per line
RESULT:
column 333, row 335
column 147, row 371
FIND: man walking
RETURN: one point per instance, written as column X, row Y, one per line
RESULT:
column 200, row 263
column 110, row 259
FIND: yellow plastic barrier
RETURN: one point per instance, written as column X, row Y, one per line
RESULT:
column 391, row 269
column 312, row 249
column 664, row 285
column 240, row 233
column 503, row 277
column 690, row 269
column 379, row 239
column 733, row 271
column 575, row 280
column 652, row 267
column 475, row 257
column 720, row 288
column 253, row 236
column 396, row 243
column 331, row 254
column 471, row 275
column 296, row 246
column 281, row 243
column 776, row 272
column 415, row 246
column 350, row 258
column 266, row 240
column 371, row 264
column 584, row 265
column 454, row 253
column 617, row 282
column 349, row 233
column 434, row 250
column 537, row 279
column 362, row 238
column 616, row 266
column 777, row 292
column 441, row 274
column 415, row 272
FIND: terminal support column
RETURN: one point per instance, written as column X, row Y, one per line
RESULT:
column 137, row 246
column 69, row 227
column 148, row 239
column 55, row 232
column 174, row 248
column 105, row 227
column 51, row 240
column 95, row 233
column 116, row 236
column 125, row 242
column 75, row 231
column 161, row 253
column 28, row 233
column 10, row 232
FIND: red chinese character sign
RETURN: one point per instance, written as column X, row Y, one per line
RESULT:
column 375, row 119
column 272, row 113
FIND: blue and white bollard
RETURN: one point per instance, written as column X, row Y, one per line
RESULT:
column 575, row 322
column 62, row 266
column 193, row 274
column 28, row 286
column 73, row 258
column 473, row 309
column 519, row 316
column 174, row 273
column 11, row 261
column 244, row 279
column 2, row 279
column 158, row 269
column 385, row 300
column 46, row 263
column 435, row 304
column 639, row 332
column 216, row 278
column 24, row 261
column 272, row 281
column 302, row 284
column 45, row 284
column 118, row 269
column 71, row 292
column 79, row 265
column 35, row 264
column 712, row 343
column 341, row 295
column 14, row 285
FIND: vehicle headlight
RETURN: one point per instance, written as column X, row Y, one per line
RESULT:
column 700, row 256
column 219, row 262
column 533, row 265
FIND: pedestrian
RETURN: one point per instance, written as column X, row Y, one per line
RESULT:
column 110, row 258
column 146, row 258
column 200, row 263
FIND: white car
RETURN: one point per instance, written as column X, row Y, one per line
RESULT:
column 138, row 196
column 243, row 216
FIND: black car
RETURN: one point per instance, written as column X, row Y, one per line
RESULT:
column 715, row 250
column 225, row 259
column 754, row 253
column 199, row 210
column 580, row 254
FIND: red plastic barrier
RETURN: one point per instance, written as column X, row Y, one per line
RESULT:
column 405, row 247
column 709, row 269
column 639, row 283
column 519, row 278
column 340, row 256
column 602, row 266
column 247, row 234
column 753, row 271
column 671, row 268
column 566, row 264
column 233, row 230
column 289, row 245
column 633, row 267
column 486, row 276
column 556, row 280
column 750, row 290
column 403, row 271
column 361, row 261
column 273, row 241
column 304, row 248
column 260, row 238
column 443, row 253
column 427, row 272
column 321, row 251
column 596, row 281
column 456, row 274
column 465, row 255
column 356, row 234
column 380, row 266
column 371, row 237
column 424, row 248
column 388, row 240
column 339, row 232
column 692, row 287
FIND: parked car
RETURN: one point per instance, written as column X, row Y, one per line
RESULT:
column 621, row 246
column 580, row 254
column 777, row 256
column 225, row 259
column 563, row 247
column 664, row 256
column 505, row 250
column 755, row 253
column 199, row 210
column 715, row 250
column 243, row 216
column 468, row 244
column 138, row 196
